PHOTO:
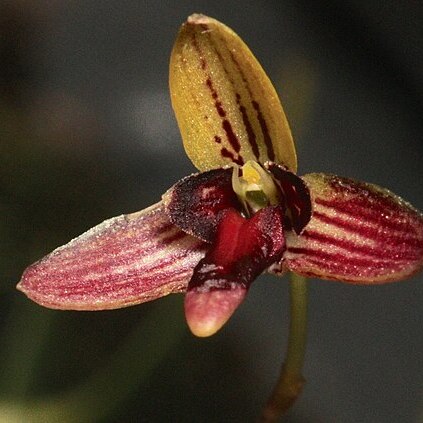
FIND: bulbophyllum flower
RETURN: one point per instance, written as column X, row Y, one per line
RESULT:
column 245, row 212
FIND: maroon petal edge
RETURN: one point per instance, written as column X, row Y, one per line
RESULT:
column 295, row 197
column 124, row 261
column 193, row 204
column 358, row 233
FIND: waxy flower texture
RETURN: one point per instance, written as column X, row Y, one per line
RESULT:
column 246, row 212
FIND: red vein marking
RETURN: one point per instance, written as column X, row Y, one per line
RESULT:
column 260, row 117
column 343, row 261
column 250, row 132
column 236, row 159
column 366, row 231
column 252, row 139
column 265, row 130
column 377, row 251
column 226, row 125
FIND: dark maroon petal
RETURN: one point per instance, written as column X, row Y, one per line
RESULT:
column 123, row 261
column 242, row 250
column 193, row 204
column 295, row 194
column 358, row 233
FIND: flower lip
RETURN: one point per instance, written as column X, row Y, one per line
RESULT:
column 207, row 312
column 242, row 250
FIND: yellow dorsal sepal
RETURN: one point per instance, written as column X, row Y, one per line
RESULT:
column 226, row 107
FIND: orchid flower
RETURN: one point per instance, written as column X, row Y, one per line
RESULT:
column 245, row 212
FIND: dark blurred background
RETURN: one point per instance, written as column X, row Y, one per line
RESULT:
column 87, row 132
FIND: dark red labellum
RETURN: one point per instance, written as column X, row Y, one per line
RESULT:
column 242, row 250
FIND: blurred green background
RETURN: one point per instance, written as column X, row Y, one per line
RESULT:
column 87, row 132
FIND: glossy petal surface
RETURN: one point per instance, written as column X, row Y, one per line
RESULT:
column 358, row 233
column 243, row 249
column 123, row 261
column 226, row 107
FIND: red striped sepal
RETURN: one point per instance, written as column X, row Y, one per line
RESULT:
column 124, row 261
column 358, row 233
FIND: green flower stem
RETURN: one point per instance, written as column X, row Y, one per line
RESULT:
column 291, row 381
